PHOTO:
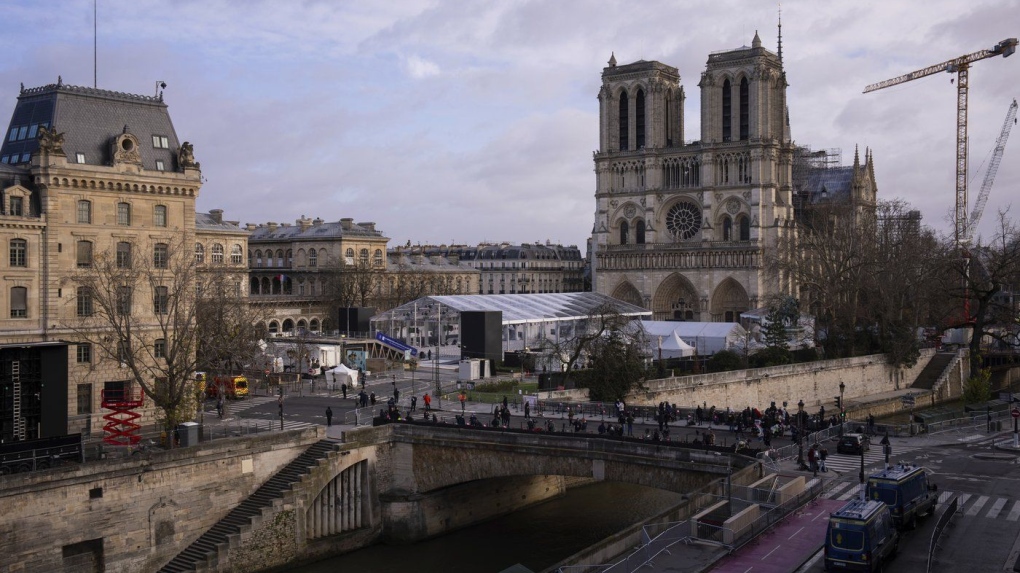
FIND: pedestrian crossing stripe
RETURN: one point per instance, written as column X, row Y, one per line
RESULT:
column 846, row 490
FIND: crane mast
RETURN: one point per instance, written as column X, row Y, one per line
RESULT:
column 961, row 66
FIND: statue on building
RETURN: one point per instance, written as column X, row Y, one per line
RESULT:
column 50, row 141
column 186, row 156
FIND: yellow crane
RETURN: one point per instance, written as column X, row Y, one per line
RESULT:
column 960, row 66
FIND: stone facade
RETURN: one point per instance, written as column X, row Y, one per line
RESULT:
column 85, row 174
column 681, row 228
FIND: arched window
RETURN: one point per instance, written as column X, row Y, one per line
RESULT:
column 639, row 233
column 745, row 106
column 313, row 258
column 727, row 229
column 254, row 286
column 377, row 258
column 274, row 327
column 363, row 256
column 199, row 253
column 217, row 254
column 349, row 256
column 313, row 325
column 624, row 232
column 236, row 255
column 624, row 122
column 288, row 326
column 745, row 228
column 727, row 110
column 639, row 119
column 279, row 257
column 19, row 302
column 290, row 258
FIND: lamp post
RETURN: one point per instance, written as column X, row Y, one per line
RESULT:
column 800, row 434
column 842, row 387
column 435, row 359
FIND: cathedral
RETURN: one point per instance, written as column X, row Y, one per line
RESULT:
column 683, row 227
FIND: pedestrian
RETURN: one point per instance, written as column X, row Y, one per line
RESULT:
column 371, row 398
column 463, row 401
column 630, row 424
column 219, row 406
column 396, row 395
column 343, row 387
column 329, row 416
column 812, row 457
column 414, row 403
column 527, row 410
column 821, row 456
column 428, row 403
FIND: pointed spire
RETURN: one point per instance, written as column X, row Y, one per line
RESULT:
column 780, row 33
column 612, row 60
column 756, row 42
column 857, row 157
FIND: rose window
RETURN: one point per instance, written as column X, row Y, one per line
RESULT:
column 683, row 220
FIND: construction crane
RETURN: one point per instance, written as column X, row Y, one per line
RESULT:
column 960, row 66
column 993, row 167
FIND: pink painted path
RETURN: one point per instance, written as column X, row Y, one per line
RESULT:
column 787, row 545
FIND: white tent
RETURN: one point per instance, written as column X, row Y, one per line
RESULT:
column 340, row 375
column 671, row 346
column 706, row 337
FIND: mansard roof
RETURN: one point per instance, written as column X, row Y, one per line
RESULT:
column 213, row 222
column 90, row 118
column 316, row 230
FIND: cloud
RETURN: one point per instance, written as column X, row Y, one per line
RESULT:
column 419, row 68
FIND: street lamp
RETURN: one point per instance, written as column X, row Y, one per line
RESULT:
column 800, row 435
column 842, row 387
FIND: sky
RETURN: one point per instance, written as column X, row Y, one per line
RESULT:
column 467, row 121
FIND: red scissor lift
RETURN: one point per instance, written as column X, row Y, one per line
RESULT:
column 121, row 427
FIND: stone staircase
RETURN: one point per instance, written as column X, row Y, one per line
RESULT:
column 930, row 374
column 198, row 555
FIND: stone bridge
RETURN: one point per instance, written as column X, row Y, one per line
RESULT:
column 405, row 482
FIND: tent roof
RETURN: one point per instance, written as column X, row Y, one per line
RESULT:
column 518, row 308
column 690, row 330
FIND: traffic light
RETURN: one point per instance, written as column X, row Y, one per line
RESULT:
column 839, row 404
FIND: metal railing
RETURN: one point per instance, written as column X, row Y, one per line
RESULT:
column 939, row 527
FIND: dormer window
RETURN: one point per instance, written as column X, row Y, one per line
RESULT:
column 160, row 166
column 79, row 157
column 160, row 142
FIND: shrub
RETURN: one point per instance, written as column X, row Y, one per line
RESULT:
column 724, row 361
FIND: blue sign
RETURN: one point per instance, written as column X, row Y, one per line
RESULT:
column 395, row 344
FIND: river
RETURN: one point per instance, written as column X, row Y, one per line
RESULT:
column 537, row 537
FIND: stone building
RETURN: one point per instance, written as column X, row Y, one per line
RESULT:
column 85, row 174
column 681, row 227
column 220, row 254
column 519, row 269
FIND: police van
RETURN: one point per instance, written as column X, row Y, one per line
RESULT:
column 860, row 537
column 905, row 489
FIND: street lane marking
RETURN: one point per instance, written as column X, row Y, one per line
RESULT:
column 774, row 549
column 1014, row 514
column 795, row 534
column 996, row 508
column 960, row 501
column 840, row 486
column 854, row 491
column 974, row 509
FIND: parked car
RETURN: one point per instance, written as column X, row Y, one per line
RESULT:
column 853, row 444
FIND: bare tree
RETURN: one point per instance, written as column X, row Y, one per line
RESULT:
column 136, row 305
column 980, row 288
column 348, row 284
column 227, row 322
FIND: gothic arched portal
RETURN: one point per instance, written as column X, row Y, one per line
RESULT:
column 676, row 299
column 628, row 293
column 728, row 301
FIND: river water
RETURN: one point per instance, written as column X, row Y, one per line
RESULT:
column 537, row 537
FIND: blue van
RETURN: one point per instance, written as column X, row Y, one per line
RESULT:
column 860, row 537
column 905, row 489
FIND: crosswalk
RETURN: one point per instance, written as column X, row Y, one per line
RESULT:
column 842, row 463
column 968, row 505
column 266, row 421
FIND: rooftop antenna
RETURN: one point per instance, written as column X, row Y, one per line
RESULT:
column 95, row 44
column 780, row 32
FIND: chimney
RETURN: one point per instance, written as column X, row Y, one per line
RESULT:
column 272, row 226
column 304, row 223
column 369, row 226
column 453, row 256
column 216, row 214
column 250, row 226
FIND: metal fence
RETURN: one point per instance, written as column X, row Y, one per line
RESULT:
column 939, row 527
